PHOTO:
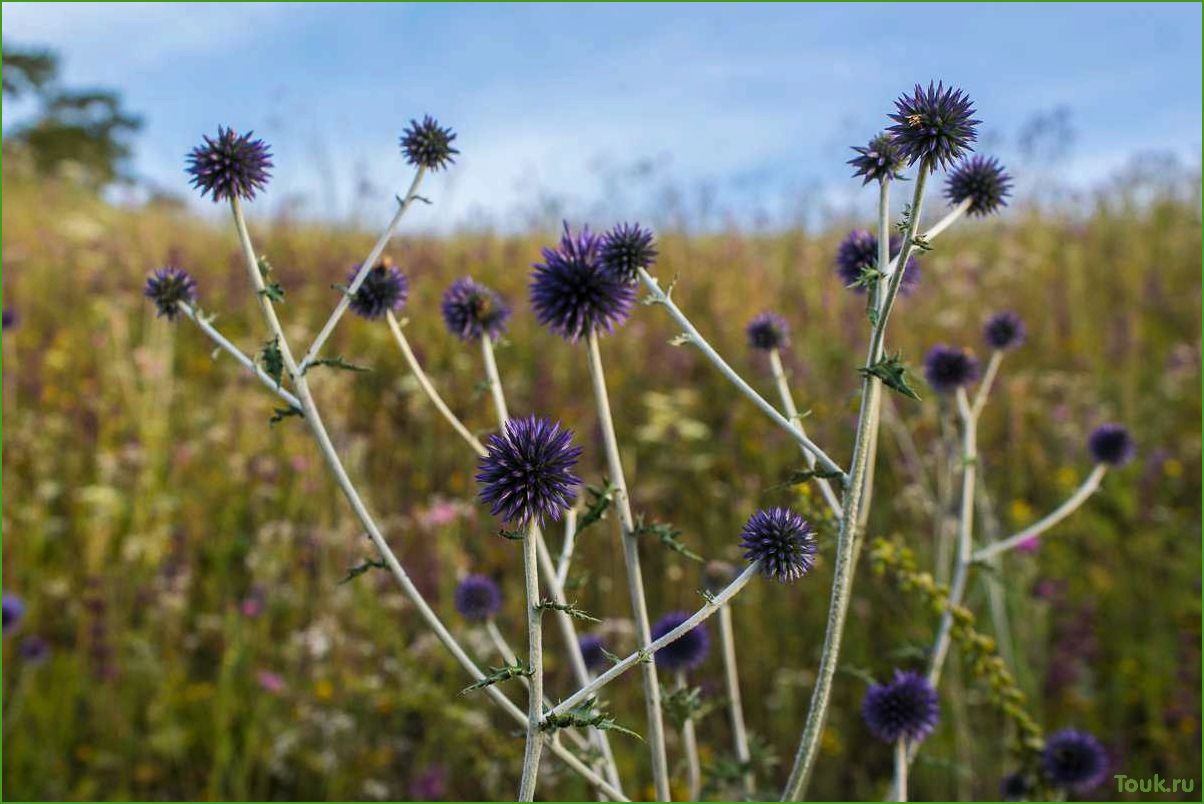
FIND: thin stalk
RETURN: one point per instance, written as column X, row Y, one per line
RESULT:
column 783, row 384
column 491, row 374
column 988, row 380
column 689, row 742
column 735, row 707
column 949, row 219
column 1072, row 503
column 901, row 770
column 567, row 547
column 635, row 577
column 236, row 353
column 534, row 747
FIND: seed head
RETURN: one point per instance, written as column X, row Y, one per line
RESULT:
column 169, row 286
column 626, row 249
column 782, row 541
column 906, row 707
column 1111, row 444
column 982, row 180
column 471, row 309
column 859, row 252
column 526, row 473
column 934, row 126
column 686, row 653
column 573, row 294
column 948, row 369
column 879, row 161
column 768, row 331
column 384, row 288
column 1074, row 759
column 1004, row 331
column 478, row 598
column 428, row 145
column 230, row 166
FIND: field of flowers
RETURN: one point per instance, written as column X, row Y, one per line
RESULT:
column 185, row 634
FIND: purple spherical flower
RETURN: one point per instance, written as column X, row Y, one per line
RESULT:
column 1074, row 759
column 10, row 317
column 573, row 294
column 593, row 651
column 231, row 166
column 169, row 286
column 478, row 598
column 385, row 288
column 982, row 180
column 471, row 310
column 859, row 251
column 934, row 126
column 13, row 610
column 626, row 249
column 1004, row 331
column 526, row 473
column 904, row 708
column 1111, row 444
column 428, row 145
column 34, row 649
column 879, row 161
column 430, row 784
column 782, row 541
column 948, row 369
column 687, row 652
column 768, row 331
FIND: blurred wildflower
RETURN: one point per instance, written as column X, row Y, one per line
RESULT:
column 526, row 473
column 904, row 708
column 270, row 682
column 1004, row 331
column 34, row 649
column 230, row 166
column 471, row 309
column 428, row 145
column 384, row 289
column 1015, row 787
column 687, row 652
column 593, row 651
column 858, row 252
column 13, row 611
column 782, row 541
column 1075, row 760
column 879, row 161
column 478, row 598
column 10, row 317
column 1111, row 444
column 934, row 126
column 571, row 292
column 430, row 784
column 1029, row 545
column 625, row 249
column 948, row 369
column 982, row 180
column 768, row 331
column 169, row 286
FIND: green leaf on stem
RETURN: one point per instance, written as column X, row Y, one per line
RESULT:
column 893, row 374
column 366, row 565
column 584, row 715
column 272, row 360
column 499, row 674
column 600, row 500
column 280, row 414
column 667, row 534
column 568, row 608
column 335, row 363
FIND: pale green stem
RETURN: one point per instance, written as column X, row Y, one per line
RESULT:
column 783, row 384
column 491, row 375
column 534, row 747
column 567, row 546
column 901, row 770
column 1072, row 503
column 735, row 707
column 689, row 740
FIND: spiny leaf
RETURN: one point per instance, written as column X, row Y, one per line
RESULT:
column 265, row 267
column 612, row 658
column 893, row 374
column 685, row 704
column 667, row 534
column 272, row 360
column 584, row 715
column 281, row 414
column 797, row 477
column 600, row 500
column 359, row 569
column 273, row 292
column 568, row 608
column 512, row 535
column 499, row 674
column 867, row 278
column 336, row 363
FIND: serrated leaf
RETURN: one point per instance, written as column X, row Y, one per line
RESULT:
column 272, row 360
column 667, row 534
column 584, row 715
column 600, row 501
column 893, row 374
column 512, row 535
column 273, row 292
column 280, row 414
column 335, row 363
column 499, row 674
column 568, row 608
column 366, row 565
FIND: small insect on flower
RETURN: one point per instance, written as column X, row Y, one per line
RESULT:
column 983, row 181
column 935, row 126
column 768, row 331
column 13, row 609
column 385, row 288
column 858, row 253
column 478, row 598
column 471, row 310
column 782, row 541
column 573, row 295
column 1074, row 759
column 905, row 708
column 167, row 288
column 428, row 145
column 879, row 161
column 593, row 651
column 687, row 652
column 230, row 166
column 626, row 249
column 1111, row 444
column 948, row 369
column 1004, row 331
column 526, row 472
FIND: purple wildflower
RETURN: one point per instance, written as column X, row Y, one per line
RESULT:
column 904, row 708
column 687, row 652
column 471, row 310
column 428, row 145
column 385, row 288
column 478, row 598
column 1004, row 331
column 1074, row 759
column 948, row 369
column 231, row 166
column 626, row 249
column 982, row 180
column 169, row 286
column 782, row 541
column 526, row 473
column 573, row 295
column 859, row 251
column 1111, row 444
column 879, row 161
column 935, row 126
column 768, row 331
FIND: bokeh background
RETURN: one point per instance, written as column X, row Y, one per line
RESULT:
column 184, row 633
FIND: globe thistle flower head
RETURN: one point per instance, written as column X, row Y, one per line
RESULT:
column 478, row 598
column 626, row 249
column 1074, row 759
column 428, row 145
column 934, row 126
column 230, row 166
column 13, row 609
column 573, row 294
column 385, row 288
column 768, row 331
column 10, row 317
column 593, row 651
column 948, row 369
column 686, row 653
column 879, row 161
column 526, row 473
column 859, row 252
column 1004, row 331
column 167, row 287
column 982, row 180
column 471, row 310
column 906, row 707
column 1111, row 444
column 782, row 541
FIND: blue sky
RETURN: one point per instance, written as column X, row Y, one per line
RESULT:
column 608, row 109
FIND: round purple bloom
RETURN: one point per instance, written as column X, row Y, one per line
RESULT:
column 169, row 286
column 231, row 166
column 13, row 611
column 948, row 369
column 934, row 126
column 526, row 472
column 593, row 651
column 1111, row 444
column 34, row 649
column 478, row 598
column 982, row 180
column 471, row 310
column 10, row 317
column 1004, row 331
column 782, row 541
column 626, row 249
column 687, row 652
column 428, row 145
column 384, row 288
column 573, row 294
column 878, row 161
column 859, row 251
column 768, row 331
column 904, row 708
column 1074, row 759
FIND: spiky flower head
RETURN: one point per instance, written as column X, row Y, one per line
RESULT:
column 169, row 286
column 1074, row 759
column 428, row 145
column 947, row 368
column 982, row 180
column 1004, row 331
column 385, row 288
column 906, row 707
column 573, row 294
column 13, row 609
column 879, row 161
column 526, row 472
column 478, row 598
column 935, row 126
column 768, row 331
column 1111, row 444
column 859, row 252
column 782, row 541
column 593, row 651
column 626, row 249
column 471, row 310
column 687, row 652
column 230, row 166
